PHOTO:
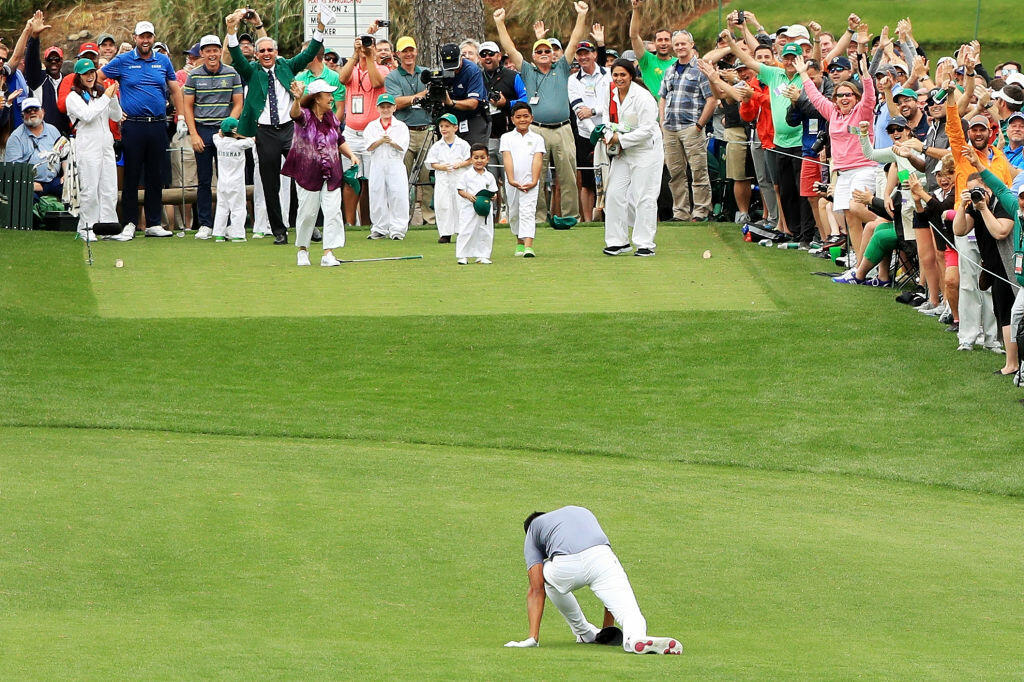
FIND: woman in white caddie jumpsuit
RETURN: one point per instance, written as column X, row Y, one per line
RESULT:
column 90, row 108
column 636, row 159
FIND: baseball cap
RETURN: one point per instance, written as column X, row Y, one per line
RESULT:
column 1002, row 94
column 899, row 65
column 978, row 120
column 802, row 41
column 104, row 37
column 450, row 56
column 51, row 50
column 229, row 124
column 404, row 42
column 555, row 42
column 897, row 121
column 1015, row 79
column 319, row 85
column 29, row 103
column 542, row 41
column 450, row 118
column 383, row 99
column 489, row 46
column 144, row 27
column 797, row 31
column 244, row 36
column 630, row 55
column 159, row 45
column 612, row 53
column 839, row 63
column 1015, row 116
column 904, row 92
column 793, row 49
column 192, row 51
column 209, row 40
column 86, row 48
column 585, row 45
column 84, row 65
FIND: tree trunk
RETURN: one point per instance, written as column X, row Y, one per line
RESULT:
column 436, row 23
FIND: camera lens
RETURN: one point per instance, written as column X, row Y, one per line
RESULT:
column 977, row 195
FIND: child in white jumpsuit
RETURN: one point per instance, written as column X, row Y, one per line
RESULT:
column 386, row 139
column 522, row 154
column 91, row 108
column 476, row 232
column 635, row 173
column 230, row 182
column 448, row 157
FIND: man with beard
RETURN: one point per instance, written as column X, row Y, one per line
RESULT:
column 146, row 78
column 910, row 109
column 30, row 142
column 653, row 65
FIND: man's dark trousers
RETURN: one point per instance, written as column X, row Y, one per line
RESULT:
column 204, row 175
column 273, row 143
column 145, row 149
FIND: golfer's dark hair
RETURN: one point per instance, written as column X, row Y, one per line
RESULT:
column 630, row 67
column 478, row 147
column 529, row 520
column 521, row 105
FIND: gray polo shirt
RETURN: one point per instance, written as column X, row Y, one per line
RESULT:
column 548, row 93
column 401, row 83
column 213, row 92
column 568, row 530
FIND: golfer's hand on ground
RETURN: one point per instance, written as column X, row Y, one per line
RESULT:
column 526, row 643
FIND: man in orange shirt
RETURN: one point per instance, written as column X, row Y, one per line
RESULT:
column 979, row 132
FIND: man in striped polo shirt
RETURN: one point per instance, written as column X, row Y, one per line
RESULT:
column 213, row 91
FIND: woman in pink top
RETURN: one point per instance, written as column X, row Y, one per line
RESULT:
column 844, row 115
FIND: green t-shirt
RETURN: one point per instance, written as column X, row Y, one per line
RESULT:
column 652, row 70
column 328, row 76
column 776, row 79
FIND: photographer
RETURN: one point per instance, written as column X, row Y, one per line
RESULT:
column 405, row 85
column 504, row 88
column 465, row 96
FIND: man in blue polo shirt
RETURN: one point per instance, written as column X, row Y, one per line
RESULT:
column 466, row 98
column 31, row 143
column 145, row 77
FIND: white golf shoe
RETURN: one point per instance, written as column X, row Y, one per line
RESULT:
column 158, row 231
column 656, row 645
column 303, row 258
column 328, row 260
column 204, row 232
column 126, row 235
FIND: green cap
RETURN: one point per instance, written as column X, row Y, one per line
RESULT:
column 385, row 99
column 482, row 205
column 597, row 133
column 793, row 49
column 450, row 118
column 229, row 125
column 352, row 178
column 560, row 223
column 84, row 65
column 905, row 92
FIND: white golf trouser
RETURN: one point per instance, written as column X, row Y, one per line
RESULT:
column 389, row 197
column 977, row 320
column 260, row 219
column 599, row 568
column 634, row 180
column 522, row 210
column 230, row 207
column 97, row 182
column 476, row 235
column 446, row 208
column 305, row 218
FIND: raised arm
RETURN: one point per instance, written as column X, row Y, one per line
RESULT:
column 852, row 23
column 747, row 59
column 636, row 42
column 814, row 96
column 514, row 55
column 580, row 29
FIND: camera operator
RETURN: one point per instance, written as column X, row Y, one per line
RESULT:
column 466, row 96
column 504, row 88
column 406, row 86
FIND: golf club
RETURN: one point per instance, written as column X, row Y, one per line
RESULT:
column 367, row 260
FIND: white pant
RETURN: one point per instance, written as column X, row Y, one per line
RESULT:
column 633, row 181
column 97, row 182
column 230, row 207
column 522, row 209
column 446, row 206
column 389, row 197
column 476, row 234
column 599, row 568
column 977, row 321
column 305, row 218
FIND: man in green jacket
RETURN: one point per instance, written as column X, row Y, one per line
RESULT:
column 266, row 107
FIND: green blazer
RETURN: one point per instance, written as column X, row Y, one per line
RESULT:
column 255, row 77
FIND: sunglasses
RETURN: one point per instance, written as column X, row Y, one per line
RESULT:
column 263, row 50
column 331, row 59
column 895, row 129
column 834, row 69
column 487, row 53
column 844, row 94
column 542, row 51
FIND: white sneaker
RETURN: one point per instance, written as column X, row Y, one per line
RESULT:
column 463, row 261
column 656, row 645
column 398, row 237
column 484, row 261
column 303, row 258
column 258, row 235
column 965, row 346
column 158, row 231
column 88, row 236
column 327, row 261
column 204, row 232
column 126, row 235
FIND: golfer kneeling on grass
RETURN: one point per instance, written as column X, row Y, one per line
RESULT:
column 567, row 549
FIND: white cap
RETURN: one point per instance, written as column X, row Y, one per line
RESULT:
column 144, row 27
column 999, row 94
column 555, row 42
column 802, row 41
column 1015, row 79
column 209, row 40
column 797, row 31
column 30, row 102
column 490, row 45
column 318, row 86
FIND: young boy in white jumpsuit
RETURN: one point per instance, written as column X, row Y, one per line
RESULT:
column 386, row 139
column 91, row 111
column 476, row 229
column 566, row 549
column 635, row 173
column 522, row 154
column 230, row 182
column 448, row 157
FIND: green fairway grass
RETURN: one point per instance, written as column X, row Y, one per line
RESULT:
column 258, row 279
column 324, row 473
column 194, row 556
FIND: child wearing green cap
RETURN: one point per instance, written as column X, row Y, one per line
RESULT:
column 386, row 140
column 230, row 182
column 447, row 157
